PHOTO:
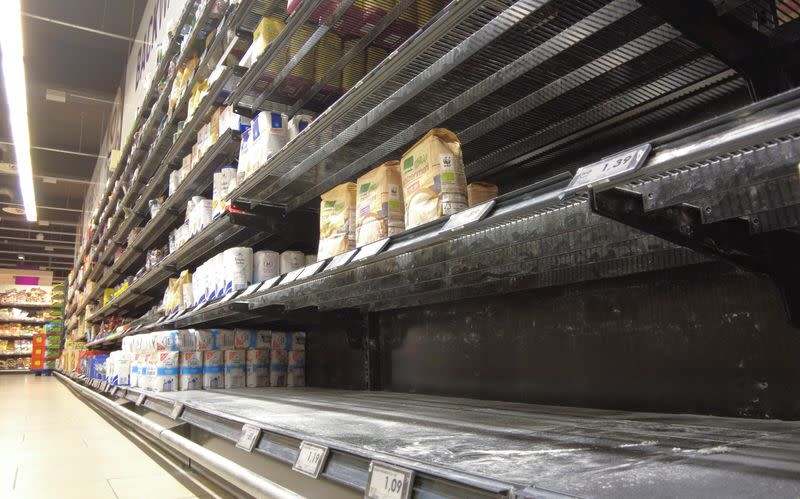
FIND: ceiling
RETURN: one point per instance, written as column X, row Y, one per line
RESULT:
column 65, row 53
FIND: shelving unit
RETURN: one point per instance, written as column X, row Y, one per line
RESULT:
column 535, row 90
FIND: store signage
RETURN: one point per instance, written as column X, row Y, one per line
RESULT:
column 177, row 410
column 371, row 249
column 342, row 259
column 468, row 216
column 311, row 459
column 389, row 482
column 248, row 437
column 608, row 168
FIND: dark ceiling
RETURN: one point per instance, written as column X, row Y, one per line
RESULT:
column 65, row 136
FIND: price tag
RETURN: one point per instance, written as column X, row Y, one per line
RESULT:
column 201, row 306
column 177, row 410
column 248, row 438
column 229, row 297
column 341, row 259
column 371, row 249
column 311, row 459
column 141, row 399
column 105, row 387
column 469, row 216
column 608, row 168
column 114, row 391
column 269, row 283
column 251, row 289
column 292, row 276
column 312, row 269
column 388, row 482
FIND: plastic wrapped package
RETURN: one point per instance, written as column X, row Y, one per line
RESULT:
column 337, row 221
column 278, row 367
column 213, row 369
column 166, row 372
column 328, row 53
column 301, row 78
column 235, row 369
column 191, row 370
column 257, row 368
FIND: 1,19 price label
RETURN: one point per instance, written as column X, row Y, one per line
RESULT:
column 389, row 482
column 311, row 459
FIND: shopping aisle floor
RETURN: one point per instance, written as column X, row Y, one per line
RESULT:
column 53, row 445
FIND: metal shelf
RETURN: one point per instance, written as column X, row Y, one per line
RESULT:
column 10, row 337
column 24, row 321
column 21, row 354
column 476, row 448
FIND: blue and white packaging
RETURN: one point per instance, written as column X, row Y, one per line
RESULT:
column 237, row 268
column 234, row 369
column 191, row 370
column 296, row 368
column 166, row 372
column 278, row 366
column 257, row 368
column 288, row 341
column 213, row 369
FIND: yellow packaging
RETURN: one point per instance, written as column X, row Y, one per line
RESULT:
column 329, row 51
column 305, row 68
column 108, row 293
column 337, row 221
column 374, row 57
column 213, row 126
column 268, row 29
column 355, row 69
column 434, row 182
column 480, row 192
column 379, row 204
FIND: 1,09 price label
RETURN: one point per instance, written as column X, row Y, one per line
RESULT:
column 389, row 482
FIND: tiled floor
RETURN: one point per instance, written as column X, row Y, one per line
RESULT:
column 54, row 445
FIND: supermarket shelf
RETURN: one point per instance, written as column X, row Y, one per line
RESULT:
column 26, row 305
column 15, row 371
column 20, row 354
column 11, row 337
column 24, row 321
column 229, row 230
column 479, row 448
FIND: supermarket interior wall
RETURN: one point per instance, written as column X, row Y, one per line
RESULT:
column 704, row 339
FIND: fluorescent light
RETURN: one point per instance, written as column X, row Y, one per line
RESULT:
column 16, row 96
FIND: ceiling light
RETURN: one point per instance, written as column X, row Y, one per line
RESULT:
column 20, row 257
column 49, row 180
column 17, row 99
column 55, row 95
column 40, row 237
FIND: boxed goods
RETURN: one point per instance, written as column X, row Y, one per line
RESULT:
column 301, row 78
column 296, row 368
column 328, row 52
column 266, row 265
column 213, row 369
column 379, row 204
column 214, row 339
column 257, row 368
column 191, row 370
column 237, row 268
column 354, row 70
column 292, row 260
column 297, row 124
column 480, row 192
column 234, row 368
column 223, row 184
column 434, row 182
column 337, row 221
column 251, row 338
column 288, row 341
column 166, row 372
column 278, row 366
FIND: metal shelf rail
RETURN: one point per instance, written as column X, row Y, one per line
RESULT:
column 475, row 448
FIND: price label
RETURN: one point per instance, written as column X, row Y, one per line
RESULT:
column 248, row 438
column 251, row 289
column 388, row 482
column 292, row 276
column 141, row 399
column 469, row 216
column 311, row 459
column 371, row 249
column 312, row 269
column 608, row 168
column 177, row 410
column 201, row 306
column 114, row 391
column 342, row 259
column 229, row 297
column 269, row 283
column 105, row 387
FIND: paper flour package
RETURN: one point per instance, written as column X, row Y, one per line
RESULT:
column 238, row 268
column 296, row 368
column 288, row 341
column 213, row 369
column 434, row 182
column 166, row 372
column 278, row 365
column 266, row 265
column 292, row 260
column 379, row 199
column 134, row 381
column 235, row 364
column 191, row 370
column 337, row 221
column 257, row 368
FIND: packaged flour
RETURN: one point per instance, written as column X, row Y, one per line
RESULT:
column 292, row 260
column 266, row 265
column 257, row 368
column 278, row 365
column 379, row 204
column 238, row 268
column 480, row 192
column 213, row 369
column 191, row 370
column 337, row 221
column 235, row 368
column 296, row 368
column 288, row 341
column 434, row 182
column 166, row 372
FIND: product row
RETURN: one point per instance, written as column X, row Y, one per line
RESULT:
column 17, row 329
column 12, row 364
column 25, row 295
column 22, row 346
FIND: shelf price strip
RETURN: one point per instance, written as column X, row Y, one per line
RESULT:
column 311, row 459
column 388, row 482
column 371, row 249
column 608, row 168
column 468, row 216
column 248, row 438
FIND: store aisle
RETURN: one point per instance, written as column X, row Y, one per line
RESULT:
column 54, row 445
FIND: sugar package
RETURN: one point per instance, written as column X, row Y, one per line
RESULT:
column 166, row 372
column 242, row 338
column 191, row 370
column 296, row 368
column 234, row 368
column 238, row 268
column 166, row 340
column 214, row 339
column 288, row 341
column 277, row 367
column 266, row 265
column 257, row 368
column 213, row 369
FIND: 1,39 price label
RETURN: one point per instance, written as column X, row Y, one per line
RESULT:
column 311, row 459
column 389, row 482
column 608, row 168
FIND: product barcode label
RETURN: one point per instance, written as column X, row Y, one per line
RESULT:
column 312, row 269
column 292, row 276
column 177, row 410
column 468, row 216
column 342, row 259
column 141, row 399
column 311, row 459
column 608, row 168
column 248, row 437
column 389, row 482
column 371, row 249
